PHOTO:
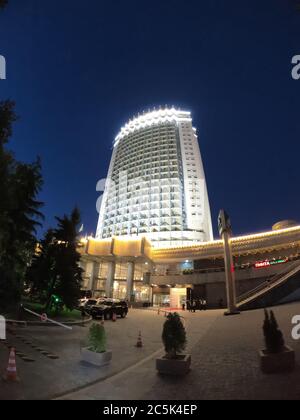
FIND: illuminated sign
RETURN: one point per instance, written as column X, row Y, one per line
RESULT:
column 266, row 264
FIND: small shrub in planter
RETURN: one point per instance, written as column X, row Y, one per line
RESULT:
column 95, row 353
column 276, row 357
column 174, row 339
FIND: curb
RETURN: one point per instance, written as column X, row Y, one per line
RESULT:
column 44, row 324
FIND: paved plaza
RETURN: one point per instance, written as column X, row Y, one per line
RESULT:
column 224, row 352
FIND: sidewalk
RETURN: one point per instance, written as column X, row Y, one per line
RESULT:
column 45, row 378
column 137, row 381
column 225, row 365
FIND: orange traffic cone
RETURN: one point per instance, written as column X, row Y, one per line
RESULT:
column 11, row 371
column 139, row 343
column 114, row 317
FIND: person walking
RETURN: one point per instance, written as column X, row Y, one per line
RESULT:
column 188, row 305
column 201, row 304
column 194, row 306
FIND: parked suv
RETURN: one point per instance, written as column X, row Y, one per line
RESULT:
column 109, row 307
column 87, row 304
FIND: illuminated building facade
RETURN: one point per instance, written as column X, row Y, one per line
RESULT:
column 156, row 185
column 134, row 269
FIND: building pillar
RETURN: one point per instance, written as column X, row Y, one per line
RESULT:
column 86, row 284
column 151, row 295
column 225, row 232
column 130, row 281
column 94, row 276
column 109, row 290
column 91, row 278
column 230, row 275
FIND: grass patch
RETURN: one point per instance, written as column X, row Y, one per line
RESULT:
column 65, row 315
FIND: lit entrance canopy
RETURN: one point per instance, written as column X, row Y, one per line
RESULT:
column 140, row 249
column 125, row 249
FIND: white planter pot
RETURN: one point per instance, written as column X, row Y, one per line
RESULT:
column 96, row 359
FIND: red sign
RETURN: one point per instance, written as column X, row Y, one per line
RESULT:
column 44, row 317
column 262, row 264
column 265, row 264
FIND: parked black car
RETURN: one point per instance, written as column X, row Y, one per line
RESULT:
column 87, row 305
column 107, row 308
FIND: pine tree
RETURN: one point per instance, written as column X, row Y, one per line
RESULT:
column 273, row 336
column 97, row 339
column 174, row 335
column 41, row 276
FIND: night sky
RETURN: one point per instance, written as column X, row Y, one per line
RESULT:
column 78, row 70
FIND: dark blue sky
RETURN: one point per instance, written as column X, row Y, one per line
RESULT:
column 79, row 70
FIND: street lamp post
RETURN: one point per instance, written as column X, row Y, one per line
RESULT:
column 225, row 233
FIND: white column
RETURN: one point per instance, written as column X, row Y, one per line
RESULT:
column 91, row 280
column 94, row 276
column 87, row 281
column 130, row 281
column 110, row 279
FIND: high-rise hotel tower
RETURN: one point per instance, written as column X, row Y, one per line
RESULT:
column 156, row 183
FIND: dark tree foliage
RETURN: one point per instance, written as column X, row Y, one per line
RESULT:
column 20, row 184
column 55, row 269
column 174, row 335
column 273, row 336
column 40, row 272
column 3, row 3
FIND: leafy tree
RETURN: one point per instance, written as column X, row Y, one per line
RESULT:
column 174, row 336
column 20, row 184
column 55, row 269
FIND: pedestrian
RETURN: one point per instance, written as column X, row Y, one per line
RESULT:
column 188, row 305
column 183, row 306
column 204, row 304
column 201, row 304
column 194, row 306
